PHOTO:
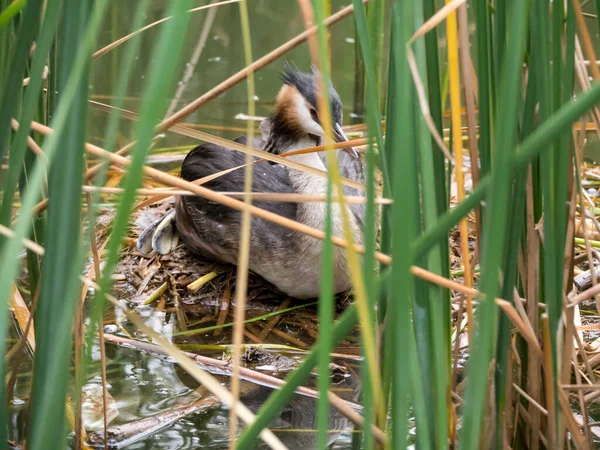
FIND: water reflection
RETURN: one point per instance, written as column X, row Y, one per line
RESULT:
column 296, row 424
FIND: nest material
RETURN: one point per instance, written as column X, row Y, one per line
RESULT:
column 139, row 276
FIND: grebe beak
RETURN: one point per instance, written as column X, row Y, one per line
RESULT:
column 340, row 136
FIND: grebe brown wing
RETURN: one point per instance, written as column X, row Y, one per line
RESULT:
column 213, row 230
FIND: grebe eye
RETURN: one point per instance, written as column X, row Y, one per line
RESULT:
column 313, row 113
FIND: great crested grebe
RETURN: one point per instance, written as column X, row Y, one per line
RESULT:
column 288, row 259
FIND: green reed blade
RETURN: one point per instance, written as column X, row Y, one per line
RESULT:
column 326, row 307
column 10, row 11
column 509, row 269
column 9, row 256
column 11, row 91
column 500, row 33
column 34, row 261
column 495, row 232
column 53, row 323
column 376, row 32
column 6, row 41
column 358, row 91
column 30, row 103
column 369, row 274
column 128, row 62
column 484, row 72
column 371, row 59
column 435, row 107
column 432, row 324
column 391, row 141
column 371, row 88
column 110, row 135
column 326, row 297
column 253, row 319
column 401, row 133
column 62, row 260
column 159, row 83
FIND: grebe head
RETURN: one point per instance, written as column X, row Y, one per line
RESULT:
column 297, row 112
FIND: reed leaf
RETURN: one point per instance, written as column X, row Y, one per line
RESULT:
column 57, row 297
column 9, row 11
column 326, row 296
column 152, row 110
column 495, row 231
column 485, row 83
column 401, row 131
column 29, row 108
column 371, row 85
column 13, row 86
column 371, row 57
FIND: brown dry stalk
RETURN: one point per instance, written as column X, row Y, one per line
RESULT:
column 431, row 23
column 174, row 181
column 574, row 428
column 97, row 270
column 273, row 321
column 241, row 284
column 27, row 243
column 224, row 309
column 417, row 271
column 291, row 339
column 190, row 67
column 264, row 196
column 223, row 87
column 584, row 82
column 530, row 399
column 437, row 18
column 254, row 67
column 583, row 296
column 586, row 39
column 236, row 204
column 199, row 182
column 534, row 361
column 520, row 325
column 579, row 394
column 230, row 145
column 549, row 382
column 104, row 50
column 470, row 85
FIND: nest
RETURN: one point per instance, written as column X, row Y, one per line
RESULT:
column 141, row 278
